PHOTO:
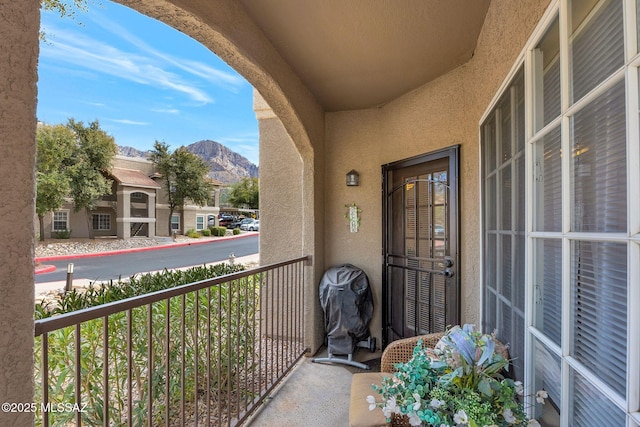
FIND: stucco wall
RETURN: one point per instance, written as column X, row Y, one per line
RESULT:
column 440, row 114
column 19, row 23
column 280, row 189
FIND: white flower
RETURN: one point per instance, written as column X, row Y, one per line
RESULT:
column 390, row 407
column 460, row 417
column 372, row 402
column 508, row 416
column 519, row 388
column 541, row 395
column 416, row 405
column 414, row 420
column 435, row 403
column 533, row 423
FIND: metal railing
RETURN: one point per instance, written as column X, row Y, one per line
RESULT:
column 201, row 354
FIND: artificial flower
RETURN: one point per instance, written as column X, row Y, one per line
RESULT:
column 541, row 395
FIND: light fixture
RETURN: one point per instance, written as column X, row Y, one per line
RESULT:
column 353, row 179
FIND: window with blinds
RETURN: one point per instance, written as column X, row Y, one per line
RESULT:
column 504, row 239
column 580, row 247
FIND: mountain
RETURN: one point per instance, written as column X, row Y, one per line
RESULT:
column 224, row 164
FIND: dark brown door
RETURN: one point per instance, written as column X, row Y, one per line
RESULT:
column 421, row 280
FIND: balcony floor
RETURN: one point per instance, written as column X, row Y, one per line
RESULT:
column 312, row 395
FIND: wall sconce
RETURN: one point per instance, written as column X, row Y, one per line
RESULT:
column 353, row 179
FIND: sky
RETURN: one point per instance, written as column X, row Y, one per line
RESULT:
column 142, row 80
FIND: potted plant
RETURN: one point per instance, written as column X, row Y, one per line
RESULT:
column 458, row 383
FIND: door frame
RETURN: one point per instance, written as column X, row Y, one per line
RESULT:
column 453, row 154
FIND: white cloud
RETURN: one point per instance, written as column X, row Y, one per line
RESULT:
column 229, row 81
column 166, row 110
column 129, row 122
column 81, row 51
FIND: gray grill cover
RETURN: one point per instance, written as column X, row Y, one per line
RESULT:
column 347, row 301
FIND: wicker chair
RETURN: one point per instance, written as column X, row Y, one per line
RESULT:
column 399, row 351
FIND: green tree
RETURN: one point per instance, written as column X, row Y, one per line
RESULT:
column 184, row 177
column 65, row 8
column 91, row 163
column 245, row 194
column 55, row 146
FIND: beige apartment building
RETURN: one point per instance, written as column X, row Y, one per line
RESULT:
column 497, row 146
column 136, row 207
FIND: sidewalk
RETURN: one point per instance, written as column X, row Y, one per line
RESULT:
column 42, row 289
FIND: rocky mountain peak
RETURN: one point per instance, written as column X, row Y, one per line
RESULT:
column 224, row 164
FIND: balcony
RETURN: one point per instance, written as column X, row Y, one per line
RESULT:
column 206, row 353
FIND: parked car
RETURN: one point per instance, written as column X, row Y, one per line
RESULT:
column 225, row 222
column 254, row 226
column 246, row 223
column 211, row 220
column 236, row 223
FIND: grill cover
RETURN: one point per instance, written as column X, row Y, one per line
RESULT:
column 347, row 301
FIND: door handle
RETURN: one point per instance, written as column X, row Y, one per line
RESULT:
column 448, row 261
column 448, row 273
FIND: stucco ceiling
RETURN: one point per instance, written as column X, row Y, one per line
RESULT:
column 364, row 53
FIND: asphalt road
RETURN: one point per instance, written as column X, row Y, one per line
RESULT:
column 104, row 268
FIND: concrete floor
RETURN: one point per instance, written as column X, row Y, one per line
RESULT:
column 312, row 395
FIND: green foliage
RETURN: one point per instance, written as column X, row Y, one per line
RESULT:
column 66, row 9
column 459, row 382
column 192, row 233
column 232, row 337
column 91, row 163
column 236, row 231
column 184, row 176
column 218, row 231
column 54, row 150
column 245, row 194
column 206, row 232
column 62, row 234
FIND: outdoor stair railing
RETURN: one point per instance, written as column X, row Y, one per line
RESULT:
column 201, row 354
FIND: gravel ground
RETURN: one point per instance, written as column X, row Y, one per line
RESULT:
column 52, row 247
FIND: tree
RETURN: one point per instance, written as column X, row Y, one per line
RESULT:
column 55, row 146
column 184, row 177
column 69, row 8
column 91, row 163
column 245, row 194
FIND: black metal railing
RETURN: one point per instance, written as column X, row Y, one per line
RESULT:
column 202, row 354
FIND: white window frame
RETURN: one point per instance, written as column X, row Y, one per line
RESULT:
column 203, row 225
column 175, row 222
column 53, row 220
column 101, row 216
column 630, row 74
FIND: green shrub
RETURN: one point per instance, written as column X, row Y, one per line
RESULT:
column 62, row 234
column 236, row 231
column 218, row 231
column 193, row 233
column 206, row 232
column 233, row 330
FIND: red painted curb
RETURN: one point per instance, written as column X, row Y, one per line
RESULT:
column 147, row 248
column 45, row 269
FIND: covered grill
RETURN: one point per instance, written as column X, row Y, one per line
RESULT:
column 347, row 302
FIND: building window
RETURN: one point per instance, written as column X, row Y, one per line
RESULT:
column 175, row 222
column 101, row 221
column 581, row 283
column 503, row 148
column 200, row 223
column 137, row 196
column 60, row 220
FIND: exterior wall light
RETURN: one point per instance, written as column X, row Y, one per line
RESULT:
column 353, row 179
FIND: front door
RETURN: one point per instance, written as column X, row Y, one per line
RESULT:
column 421, row 280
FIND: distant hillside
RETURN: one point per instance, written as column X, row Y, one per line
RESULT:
column 224, row 164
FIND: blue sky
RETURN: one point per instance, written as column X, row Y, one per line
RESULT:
column 142, row 80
